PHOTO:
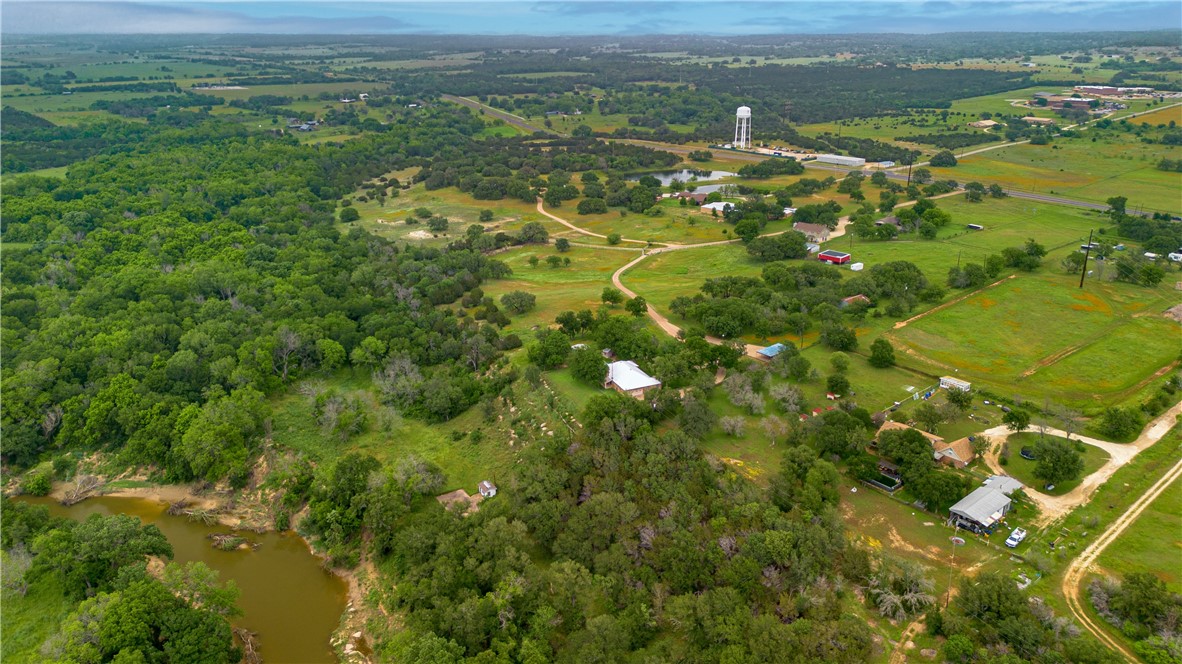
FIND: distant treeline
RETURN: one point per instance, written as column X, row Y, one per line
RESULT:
column 951, row 141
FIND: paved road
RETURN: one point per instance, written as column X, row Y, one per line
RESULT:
column 515, row 120
column 1078, row 569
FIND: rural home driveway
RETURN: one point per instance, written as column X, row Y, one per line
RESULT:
column 1054, row 507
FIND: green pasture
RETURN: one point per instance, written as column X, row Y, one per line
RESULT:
column 1010, row 337
column 1022, row 469
column 461, row 210
column 1153, row 543
column 666, row 275
column 1114, row 165
column 557, row 289
column 72, row 103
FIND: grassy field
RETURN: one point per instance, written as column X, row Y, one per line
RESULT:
column 1021, row 329
column 463, row 461
column 1023, row 469
column 665, row 276
column 1153, row 543
column 1078, row 168
column 557, row 289
column 29, row 620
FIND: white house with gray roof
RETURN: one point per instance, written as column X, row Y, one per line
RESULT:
column 981, row 510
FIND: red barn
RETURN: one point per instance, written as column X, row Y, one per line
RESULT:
column 835, row 257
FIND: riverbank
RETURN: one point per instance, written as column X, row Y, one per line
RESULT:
column 249, row 510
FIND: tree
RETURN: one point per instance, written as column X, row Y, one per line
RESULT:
column 550, row 350
column 732, row 425
column 962, row 399
column 747, row 229
column 882, row 353
column 637, row 306
column 996, row 191
column 562, row 244
column 486, row 216
column 839, row 337
column 533, row 233
column 197, row 585
column 1016, row 420
column 921, row 175
column 1118, row 423
column 591, row 206
column 943, row 159
column 437, row 224
column 840, row 362
column 554, row 260
column 838, row 384
column 928, row 416
column 614, row 238
column 88, row 556
column 349, row 214
column 1057, row 461
column 533, row 261
column 518, row 302
column 586, row 364
column 611, row 295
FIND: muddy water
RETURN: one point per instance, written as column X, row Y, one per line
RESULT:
column 288, row 600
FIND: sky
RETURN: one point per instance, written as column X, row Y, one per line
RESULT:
column 583, row 17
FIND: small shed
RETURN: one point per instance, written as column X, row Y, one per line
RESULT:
column 1003, row 483
column 854, row 299
column 487, row 489
column 950, row 383
column 835, row 257
column 771, row 351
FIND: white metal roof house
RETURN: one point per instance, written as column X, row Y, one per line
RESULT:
column 981, row 510
column 487, row 489
column 1003, row 483
column 624, row 376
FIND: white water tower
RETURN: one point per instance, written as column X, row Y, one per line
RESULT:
column 743, row 128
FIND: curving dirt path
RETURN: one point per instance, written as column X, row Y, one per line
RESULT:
column 1119, row 454
column 1078, row 569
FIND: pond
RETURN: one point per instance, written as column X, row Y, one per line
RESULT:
column 287, row 598
column 685, row 175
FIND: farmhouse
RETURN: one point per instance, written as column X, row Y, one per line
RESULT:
column 813, row 232
column 981, row 510
column 720, row 206
column 771, row 351
column 854, row 299
column 835, row 257
column 1003, row 483
column 1030, row 119
column 958, row 454
column 984, row 124
column 627, row 378
column 890, row 221
column 487, row 489
column 700, row 199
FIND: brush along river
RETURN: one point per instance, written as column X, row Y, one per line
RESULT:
column 288, row 599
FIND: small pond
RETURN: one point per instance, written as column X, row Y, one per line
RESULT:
column 685, row 175
column 287, row 598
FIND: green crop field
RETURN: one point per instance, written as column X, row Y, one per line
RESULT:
column 1022, row 469
column 1153, row 543
column 1079, row 168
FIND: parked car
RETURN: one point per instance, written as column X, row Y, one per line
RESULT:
column 1028, row 453
column 1016, row 537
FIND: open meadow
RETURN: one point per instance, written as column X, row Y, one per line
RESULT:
column 1079, row 168
column 1153, row 543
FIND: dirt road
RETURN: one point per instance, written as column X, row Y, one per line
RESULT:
column 1055, row 507
column 1078, row 569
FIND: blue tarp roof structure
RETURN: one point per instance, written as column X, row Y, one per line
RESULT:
column 772, row 350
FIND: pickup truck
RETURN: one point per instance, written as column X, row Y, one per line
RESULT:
column 1016, row 537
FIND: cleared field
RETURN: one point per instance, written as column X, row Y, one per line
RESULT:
column 1153, row 543
column 1022, row 469
column 1079, row 168
column 557, row 289
column 1164, row 116
column 1012, row 337
column 667, row 275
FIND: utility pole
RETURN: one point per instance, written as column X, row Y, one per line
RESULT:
column 958, row 258
column 909, row 163
column 1084, row 272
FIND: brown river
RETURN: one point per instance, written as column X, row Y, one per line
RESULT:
column 287, row 598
